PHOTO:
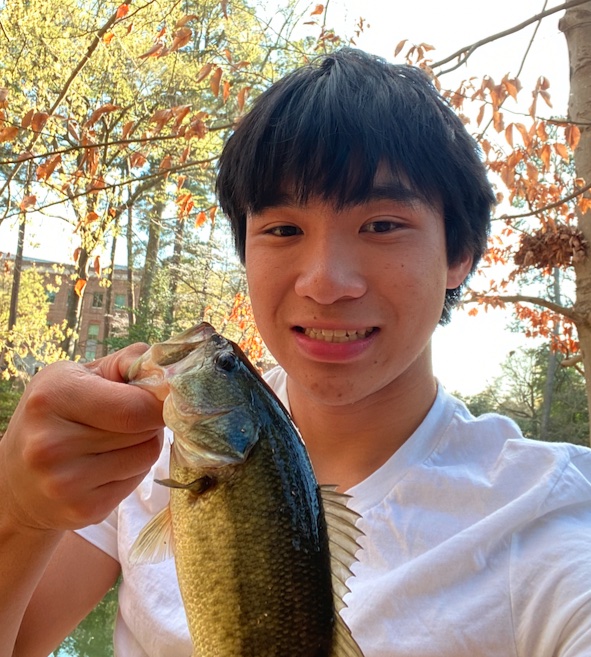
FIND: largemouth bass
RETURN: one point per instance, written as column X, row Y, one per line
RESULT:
column 261, row 551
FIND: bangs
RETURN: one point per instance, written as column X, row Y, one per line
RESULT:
column 305, row 138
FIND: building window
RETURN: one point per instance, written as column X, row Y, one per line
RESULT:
column 97, row 300
column 91, row 341
column 120, row 301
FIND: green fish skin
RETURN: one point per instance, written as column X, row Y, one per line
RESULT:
column 261, row 571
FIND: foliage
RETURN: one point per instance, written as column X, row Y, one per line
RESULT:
column 10, row 393
column 94, row 636
column 519, row 394
column 31, row 343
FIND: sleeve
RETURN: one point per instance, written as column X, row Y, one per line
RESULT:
column 103, row 535
column 551, row 576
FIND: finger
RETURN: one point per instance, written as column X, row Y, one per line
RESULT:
column 75, row 394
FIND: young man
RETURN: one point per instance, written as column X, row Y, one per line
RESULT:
column 359, row 206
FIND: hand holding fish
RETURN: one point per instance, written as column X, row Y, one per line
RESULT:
column 78, row 443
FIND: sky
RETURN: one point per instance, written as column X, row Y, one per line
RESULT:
column 467, row 352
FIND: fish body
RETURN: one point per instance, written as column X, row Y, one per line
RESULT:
column 247, row 522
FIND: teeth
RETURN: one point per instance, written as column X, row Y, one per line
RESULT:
column 337, row 335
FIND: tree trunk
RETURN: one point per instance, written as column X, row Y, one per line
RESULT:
column 109, row 308
column 551, row 368
column 576, row 25
column 16, row 276
column 130, row 273
column 175, row 264
column 74, row 308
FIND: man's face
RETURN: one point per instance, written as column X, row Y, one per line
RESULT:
column 347, row 300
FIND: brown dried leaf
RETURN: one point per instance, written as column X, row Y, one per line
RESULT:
column 99, row 112
column 399, row 47
column 318, row 9
column 3, row 97
column 181, row 38
column 185, row 19
column 137, row 160
column 90, row 217
column 226, row 91
column 97, row 265
column 204, row 72
column 154, row 51
column 38, row 121
column 165, row 164
column 26, row 120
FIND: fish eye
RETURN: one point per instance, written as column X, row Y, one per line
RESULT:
column 226, row 361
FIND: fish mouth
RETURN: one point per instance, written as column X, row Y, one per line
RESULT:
column 336, row 335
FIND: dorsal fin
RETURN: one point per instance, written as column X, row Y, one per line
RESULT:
column 343, row 535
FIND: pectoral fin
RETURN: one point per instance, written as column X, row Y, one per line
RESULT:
column 155, row 542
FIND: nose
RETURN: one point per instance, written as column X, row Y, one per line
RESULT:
column 330, row 272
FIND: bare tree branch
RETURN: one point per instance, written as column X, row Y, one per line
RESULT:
column 557, row 308
column 465, row 52
column 551, row 206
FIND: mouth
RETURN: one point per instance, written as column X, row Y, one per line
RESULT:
column 336, row 335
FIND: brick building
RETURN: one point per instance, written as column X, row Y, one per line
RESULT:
column 94, row 311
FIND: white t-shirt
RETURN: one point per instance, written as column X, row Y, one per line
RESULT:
column 477, row 543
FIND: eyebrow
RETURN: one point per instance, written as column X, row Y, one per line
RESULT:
column 394, row 191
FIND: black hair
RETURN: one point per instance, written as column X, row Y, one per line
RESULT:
column 323, row 131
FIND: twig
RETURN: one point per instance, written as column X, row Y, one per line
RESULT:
column 468, row 50
column 565, row 199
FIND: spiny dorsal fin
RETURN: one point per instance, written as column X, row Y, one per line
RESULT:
column 343, row 538
column 155, row 542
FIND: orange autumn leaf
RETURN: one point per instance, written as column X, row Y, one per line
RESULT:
column 122, row 10
column 108, row 37
column 242, row 95
column 562, row 150
column 97, row 265
column 79, row 287
column 155, row 51
column 509, row 134
column 45, row 169
column 214, row 83
column 3, row 97
column 226, row 92
column 8, row 133
column 573, row 135
column 27, row 202
column 201, row 219
column 545, row 155
column 76, row 256
column 318, row 9
column 90, row 217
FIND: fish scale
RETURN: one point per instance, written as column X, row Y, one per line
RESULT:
column 246, row 521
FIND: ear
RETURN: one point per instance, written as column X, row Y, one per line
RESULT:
column 456, row 274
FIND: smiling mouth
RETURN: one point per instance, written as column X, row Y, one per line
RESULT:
column 336, row 335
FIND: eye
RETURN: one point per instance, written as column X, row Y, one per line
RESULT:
column 284, row 231
column 380, row 226
column 226, row 361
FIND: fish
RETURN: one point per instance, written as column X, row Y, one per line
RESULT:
column 262, row 552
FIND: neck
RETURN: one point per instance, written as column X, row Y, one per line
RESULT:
column 347, row 443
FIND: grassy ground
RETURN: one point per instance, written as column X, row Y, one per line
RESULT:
column 10, row 393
